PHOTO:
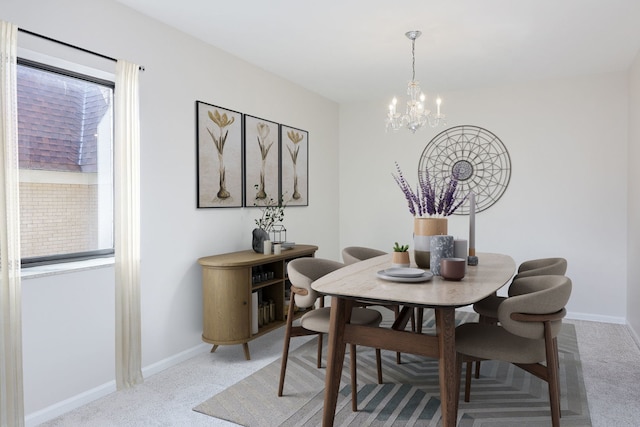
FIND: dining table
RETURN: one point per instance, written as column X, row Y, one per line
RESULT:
column 366, row 281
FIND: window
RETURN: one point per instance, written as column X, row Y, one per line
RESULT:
column 65, row 138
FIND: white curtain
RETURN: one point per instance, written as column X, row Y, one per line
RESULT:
column 127, row 226
column 11, row 387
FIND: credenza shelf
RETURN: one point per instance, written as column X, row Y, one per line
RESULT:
column 228, row 281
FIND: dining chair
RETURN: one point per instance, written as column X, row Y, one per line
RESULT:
column 302, row 272
column 529, row 322
column 353, row 254
column 487, row 308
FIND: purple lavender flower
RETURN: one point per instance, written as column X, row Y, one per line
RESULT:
column 429, row 197
column 404, row 186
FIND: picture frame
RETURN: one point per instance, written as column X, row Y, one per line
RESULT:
column 219, row 133
column 262, row 162
column 294, row 166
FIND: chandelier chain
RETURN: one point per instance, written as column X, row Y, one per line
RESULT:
column 413, row 62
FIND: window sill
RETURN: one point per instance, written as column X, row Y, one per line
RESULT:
column 65, row 267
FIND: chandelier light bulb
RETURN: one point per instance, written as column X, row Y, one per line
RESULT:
column 416, row 114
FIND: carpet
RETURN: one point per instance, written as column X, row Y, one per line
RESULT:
column 504, row 395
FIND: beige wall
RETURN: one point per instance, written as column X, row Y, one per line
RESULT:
column 633, row 220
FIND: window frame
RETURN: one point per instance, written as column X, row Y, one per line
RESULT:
column 45, row 64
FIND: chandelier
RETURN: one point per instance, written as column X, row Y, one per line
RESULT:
column 415, row 115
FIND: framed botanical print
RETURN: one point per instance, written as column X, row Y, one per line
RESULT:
column 294, row 166
column 262, row 162
column 219, row 156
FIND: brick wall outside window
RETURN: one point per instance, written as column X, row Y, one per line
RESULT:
column 65, row 213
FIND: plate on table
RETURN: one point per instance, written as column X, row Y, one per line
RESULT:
column 424, row 277
column 404, row 272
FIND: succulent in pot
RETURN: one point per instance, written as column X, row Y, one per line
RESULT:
column 400, row 257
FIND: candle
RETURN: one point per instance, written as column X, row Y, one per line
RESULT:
column 460, row 251
column 460, row 248
column 266, row 245
column 438, row 102
column 472, row 224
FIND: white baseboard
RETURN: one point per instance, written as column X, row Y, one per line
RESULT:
column 579, row 316
column 175, row 359
column 74, row 402
column 596, row 318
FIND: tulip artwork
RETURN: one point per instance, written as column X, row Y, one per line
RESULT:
column 294, row 160
column 262, row 161
column 219, row 157
column 265, row 143
column 295, row 138
column 219, row 139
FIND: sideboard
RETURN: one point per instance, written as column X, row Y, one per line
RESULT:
column 232, row 285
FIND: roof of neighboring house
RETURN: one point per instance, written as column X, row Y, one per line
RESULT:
column 58, row 118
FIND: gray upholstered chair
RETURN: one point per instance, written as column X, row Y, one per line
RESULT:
column 530, row 320
column 353, row 254
column 487, row 308
column 302, row 273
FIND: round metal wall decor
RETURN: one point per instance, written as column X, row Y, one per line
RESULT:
column 476, row 156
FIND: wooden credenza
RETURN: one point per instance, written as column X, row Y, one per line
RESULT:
column 228, row 282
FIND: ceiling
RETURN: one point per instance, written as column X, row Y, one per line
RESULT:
column 356, row 50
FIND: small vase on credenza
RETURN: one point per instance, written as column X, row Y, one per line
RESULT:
column 258, row 237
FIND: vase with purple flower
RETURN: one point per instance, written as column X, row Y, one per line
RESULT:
column 430, row 204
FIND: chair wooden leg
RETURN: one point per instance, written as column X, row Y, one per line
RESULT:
column 555, row 352
column 552, row 376
column 419, row 319
column 354, row 379
column 467, row 380
column 285, row 350
column 319, row 361
column 379, row 365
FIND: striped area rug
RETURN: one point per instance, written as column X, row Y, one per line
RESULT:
column 503, row 395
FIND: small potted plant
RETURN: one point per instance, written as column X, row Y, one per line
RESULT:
column 400, row 257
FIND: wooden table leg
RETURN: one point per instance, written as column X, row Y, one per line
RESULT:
column 446, row 332
column 340, row 309
column 245, row 347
